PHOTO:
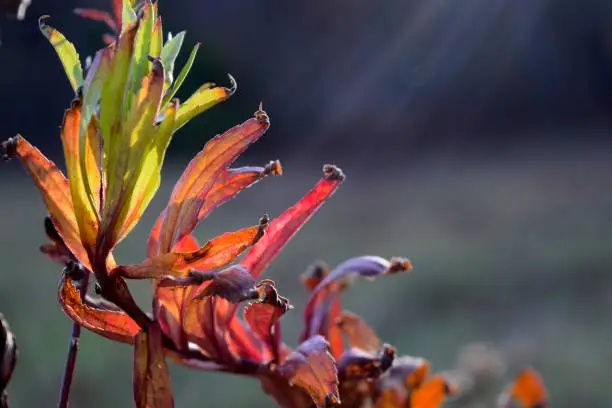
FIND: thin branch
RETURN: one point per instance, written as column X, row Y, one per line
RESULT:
column 73, row 350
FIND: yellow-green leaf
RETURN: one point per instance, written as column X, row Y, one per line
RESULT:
column 207, row 96
column 157, row 38
column 66, row 53
column 149, row 176
column 182, row 75
column 142, row 44
column 112, row 115
column 169, row 54
column 131, row 153
column 128, row 15
column 85, row 213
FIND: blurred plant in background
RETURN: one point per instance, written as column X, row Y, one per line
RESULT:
column 115, row 135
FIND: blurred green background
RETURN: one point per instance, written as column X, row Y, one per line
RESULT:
column 476, row 140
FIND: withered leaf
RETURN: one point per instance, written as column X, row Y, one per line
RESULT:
column 112, row 324
column 367, row 266
column 283, row 228
column 314, row 275
column 152, row 386
column 8, row 357
column 528, row 390
column 356, row 364
column 234, row 284
column 357, row 332
column 312, row 368
column 263, row 316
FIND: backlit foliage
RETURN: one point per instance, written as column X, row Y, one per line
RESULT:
column 115, row 134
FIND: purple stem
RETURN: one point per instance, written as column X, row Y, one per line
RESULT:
column 73, row 350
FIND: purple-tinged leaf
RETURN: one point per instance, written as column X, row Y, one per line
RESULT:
column 234, row 284
column 312, row 368
column 263, row 316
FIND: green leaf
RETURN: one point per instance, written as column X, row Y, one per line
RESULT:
column 142, row 44
column 182, row 75
column 128, row 16
column 66, row 53
column 169, row 54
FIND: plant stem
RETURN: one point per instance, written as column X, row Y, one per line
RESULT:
column 73, row 349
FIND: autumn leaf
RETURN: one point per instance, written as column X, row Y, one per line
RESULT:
column 356, row 364
column 283, row 228
column 312, row 368
column 528, row 390
column 55, row 191
column 263, row 316
column 83, row 181
column 152, row 386
column 8, row 358
column 207, row 96
column 215, row 254
column 226, row 187
column 432, row 393
column 357, row 332
column 110, row 323
column 188, row 195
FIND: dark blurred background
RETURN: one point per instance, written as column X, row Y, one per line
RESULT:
column 475, row 137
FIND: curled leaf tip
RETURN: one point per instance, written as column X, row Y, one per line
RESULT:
column 8, row 356
column 42, row 21
column 334, row 173
column 274, row 168
column 261, row 114
column 399, row 265
column 387, row 356
column 8, row 148
column 233, row 84
column 264, row 221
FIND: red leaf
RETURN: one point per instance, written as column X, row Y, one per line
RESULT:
column 8, row 354
column 152, row 386
column 313, row 369
column 283, row 228
column 357, row 332
column 263, row 316
column 188, row 195
column 528, row 390
column 112, row 324
column 226, row 187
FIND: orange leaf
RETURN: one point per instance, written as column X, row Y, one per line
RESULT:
column 528, row 389
column 226, row 187
column 112, row 324
column 152, row 386
column 432, row 393
column 357, row 332
column 215, row 254
column 55, row 190
column 188, row 195
column 313, row 369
